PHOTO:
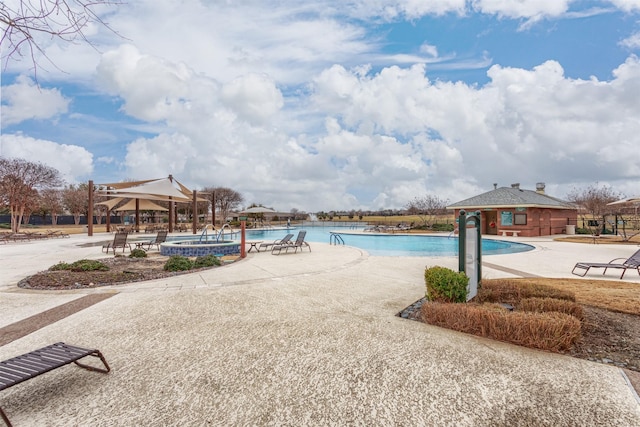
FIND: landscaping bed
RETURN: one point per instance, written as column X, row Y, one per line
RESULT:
column 122, row 269
column 610, row 321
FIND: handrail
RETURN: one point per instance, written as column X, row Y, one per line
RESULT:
column 221, row 233
column 335, row 239
column 217, row 233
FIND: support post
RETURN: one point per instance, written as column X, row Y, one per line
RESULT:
column 243, row 241
column 90, row 213
column 137, row 227
column 194, row 224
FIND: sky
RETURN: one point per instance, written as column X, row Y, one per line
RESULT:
column 338, row 105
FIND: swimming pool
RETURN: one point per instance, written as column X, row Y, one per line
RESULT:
column 393, row 244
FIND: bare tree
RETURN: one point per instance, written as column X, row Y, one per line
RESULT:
column 19, row 182
column 24, row 22
column 223, row 200
column 51, row 203
column 594, row 201
column 76, row 201
column 427, row 208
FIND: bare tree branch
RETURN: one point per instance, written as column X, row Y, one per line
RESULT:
column 23, row 22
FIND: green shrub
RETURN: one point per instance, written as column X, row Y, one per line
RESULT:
column 60, row 266
column 178, row 263
column 442, row 227
column 88, row 265
column 206, row 261
column 138, row 253
column 81, row 265
column 446, row 285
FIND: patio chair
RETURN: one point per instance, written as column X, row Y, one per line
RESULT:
column 27, row 366
column 633, row 262
column 57, row 233
column 119, row 241
column 299, row 243
column 284, row 241
column 161, row 237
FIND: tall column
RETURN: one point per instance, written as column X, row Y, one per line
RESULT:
column 90, row 213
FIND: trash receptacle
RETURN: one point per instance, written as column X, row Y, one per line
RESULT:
column 571, row 229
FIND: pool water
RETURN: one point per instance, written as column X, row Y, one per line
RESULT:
column 392, row 244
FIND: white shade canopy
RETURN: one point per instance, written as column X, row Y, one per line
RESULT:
column 258, row 209
column 144, row 205
column 158, row 189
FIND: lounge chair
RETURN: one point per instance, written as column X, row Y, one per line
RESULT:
column 633, row 262
column 30, row 365
column 161, row 237
column 299, row 243
column 284, row 241
column 57, row 233
column 119, row 241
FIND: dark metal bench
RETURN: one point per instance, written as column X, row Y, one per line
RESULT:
column 30, row 365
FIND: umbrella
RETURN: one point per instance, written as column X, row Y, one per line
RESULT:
column 258, row 209
column 634, row 199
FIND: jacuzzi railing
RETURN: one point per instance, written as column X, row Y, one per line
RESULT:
column 219, row 234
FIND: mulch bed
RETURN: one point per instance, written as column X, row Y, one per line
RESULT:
column 121, row 270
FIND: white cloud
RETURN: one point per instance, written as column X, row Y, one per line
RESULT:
column 387, row 135
column 429, row 50
column 298, row 104
column 522, row 8
column 159, row 156
column 254, row 97
column 632, row 42
column 399, row 9
column 24, row 100
column 627, row 5
column 74, row 163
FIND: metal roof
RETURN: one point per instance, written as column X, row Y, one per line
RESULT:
column 512, row 197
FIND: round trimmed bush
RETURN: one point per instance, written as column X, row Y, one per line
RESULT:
column 206, row 261
column 445, row 285
column 138, row 253
column 178, row 263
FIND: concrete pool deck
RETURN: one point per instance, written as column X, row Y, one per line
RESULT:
column 298, row 339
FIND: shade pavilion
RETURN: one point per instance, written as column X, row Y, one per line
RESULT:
column 164, row 189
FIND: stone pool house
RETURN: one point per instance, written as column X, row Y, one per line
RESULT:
column 513, row 211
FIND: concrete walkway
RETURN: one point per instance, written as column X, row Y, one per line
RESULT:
column 304, row 339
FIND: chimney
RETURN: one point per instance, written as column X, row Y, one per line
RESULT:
column 495, row 185
column 516, row 185
column 540, row 187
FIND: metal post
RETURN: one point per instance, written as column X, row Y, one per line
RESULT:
column 462, row 237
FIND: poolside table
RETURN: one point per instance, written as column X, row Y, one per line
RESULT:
column 253, row 244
